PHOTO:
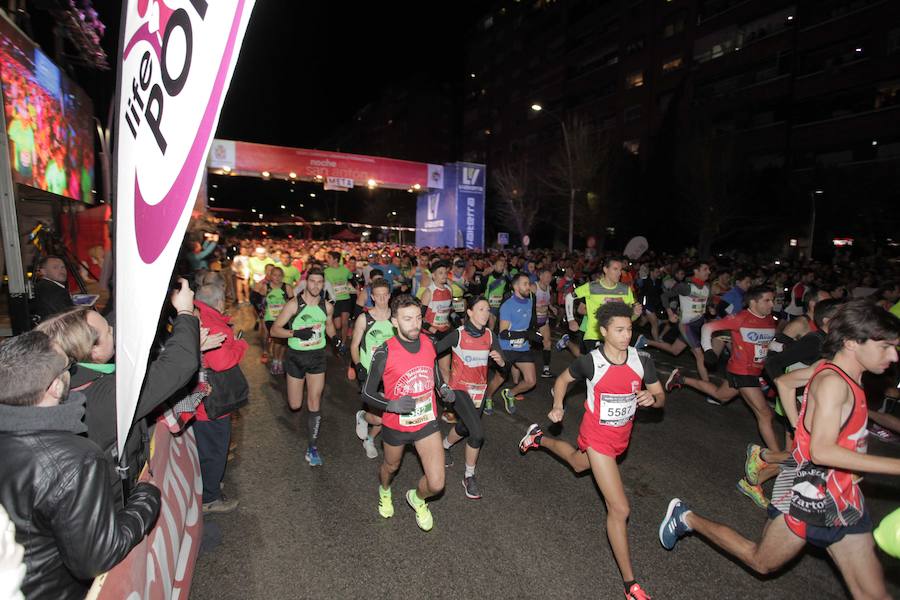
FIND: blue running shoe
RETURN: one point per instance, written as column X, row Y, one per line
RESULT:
column 312, row 457
column 673, row 526
column 561, row 344
column 641, row 342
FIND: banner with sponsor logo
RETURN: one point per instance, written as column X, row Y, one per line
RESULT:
column 453, row 216
column 176, row 64
column 162, row 565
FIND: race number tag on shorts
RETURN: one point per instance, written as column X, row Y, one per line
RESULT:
column 616, row 410
column 476, row 392
column 423, row 413
column 316, row 336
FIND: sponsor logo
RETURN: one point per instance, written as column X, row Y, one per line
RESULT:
column 470, row 175
column 434, row 201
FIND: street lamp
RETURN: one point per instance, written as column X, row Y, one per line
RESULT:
column 538, row 108
column 812, row 220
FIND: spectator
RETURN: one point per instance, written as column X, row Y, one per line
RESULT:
column 86, row 337
column 56, row 484
column 197, row 257
column 229, row 392
column 50, row 292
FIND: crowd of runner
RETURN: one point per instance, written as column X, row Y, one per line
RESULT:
column 432, row 334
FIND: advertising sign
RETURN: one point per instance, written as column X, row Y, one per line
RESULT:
column 503, row 238
column 453, row 216
column 176, row 64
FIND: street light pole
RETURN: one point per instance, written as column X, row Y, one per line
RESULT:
column 812, row 222
column 565, row 132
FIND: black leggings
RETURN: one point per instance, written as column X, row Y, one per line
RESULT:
column 469, row 423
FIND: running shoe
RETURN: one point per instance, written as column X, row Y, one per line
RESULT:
column 675, row 380
column 312, row 457
column 448, row 458
column 754, row 464
column 488, row 406
column 636, row 592
column 545, row 372
column 423, row 515
column 673, row 526
column 562, row 343
column 509, row 401
column 883, row 434
column 362, row 428
column 385, row 503
column 369, row 445
column 641, row 342
column 471, row 486
column 754, row 492
column 531, row 438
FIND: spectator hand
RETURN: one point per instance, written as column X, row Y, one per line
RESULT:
column 183, row 299
column 210, row 342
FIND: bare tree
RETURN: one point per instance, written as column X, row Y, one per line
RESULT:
column 515, row 204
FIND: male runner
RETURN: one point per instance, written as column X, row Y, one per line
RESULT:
column 437, row 303
column 372, row 328
column 308, row 314
column 405, row 366
column 693, row 297
column 495, row 288
column 615, row 374
column 339, row 277
column 543, row 296
column 473, row 344
column 825, row 506
column 517, row 322
column 596, row 293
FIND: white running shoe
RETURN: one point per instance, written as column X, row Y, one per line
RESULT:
column 369, row 445
column 362, row 428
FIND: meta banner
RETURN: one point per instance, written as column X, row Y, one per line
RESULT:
column 453, row 216
column 176, row 64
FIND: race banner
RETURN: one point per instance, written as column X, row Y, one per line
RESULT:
column 454, row 215
column 162, row 565
column 176, row 64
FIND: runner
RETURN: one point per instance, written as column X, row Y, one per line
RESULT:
column 543, row 296
column 339, row 277
column 596, row 293
column 825, row 506
column 275, row 292
column 517, row 333
column 304, row 363
column 495, row 289
column 751, row 331
column 372, row 328
column 405, row 366
column 472, row 344
column 437, row 302
column 693, row 297
column 615, row 373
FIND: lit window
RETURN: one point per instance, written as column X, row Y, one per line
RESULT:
column 673, row 64
column 633, row 80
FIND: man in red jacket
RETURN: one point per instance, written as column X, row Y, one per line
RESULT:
column 214, row 434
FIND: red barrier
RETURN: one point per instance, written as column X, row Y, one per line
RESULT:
column 162, row 566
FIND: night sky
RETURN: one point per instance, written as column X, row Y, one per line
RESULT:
column 305, row 69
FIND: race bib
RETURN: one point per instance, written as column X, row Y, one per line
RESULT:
column 495, row 301
column 759, row 353
column 315, row 339
column 617, row 410
column 275, row 310
column 423, row 413
column 459, row 305
column 341, row 289
column 476, row 391
column 441, row 312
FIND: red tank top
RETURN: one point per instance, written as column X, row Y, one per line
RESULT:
column 823, row 496
column 750, row 339
column 469, row 364
column 438, row 312
column 408, row 374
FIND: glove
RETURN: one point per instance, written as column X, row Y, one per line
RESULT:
column 710, row 359
column 447, row 395
column 361, row 372
column 535, row 337
column 303, row 334
column 339, row 346
column 401, row 406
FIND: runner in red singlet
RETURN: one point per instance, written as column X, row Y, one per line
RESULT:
column 825, row 506
column 437, row 300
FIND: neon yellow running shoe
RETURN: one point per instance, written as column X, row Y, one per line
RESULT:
column 385, row 503
column 423, row 516
column 754, row 492
column 754, row 463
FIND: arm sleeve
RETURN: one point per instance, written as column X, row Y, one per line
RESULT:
column 370, row 393
column 578, row 292
column 174, row 368
column 91, row 534
column 582, row 367
column 679, row 289
column 447, row 342
column 495, row 343
column 708, row 328
column 650, row 374
column 806, row 350
column 208, row 248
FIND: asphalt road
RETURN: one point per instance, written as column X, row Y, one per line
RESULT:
column 539, row 531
